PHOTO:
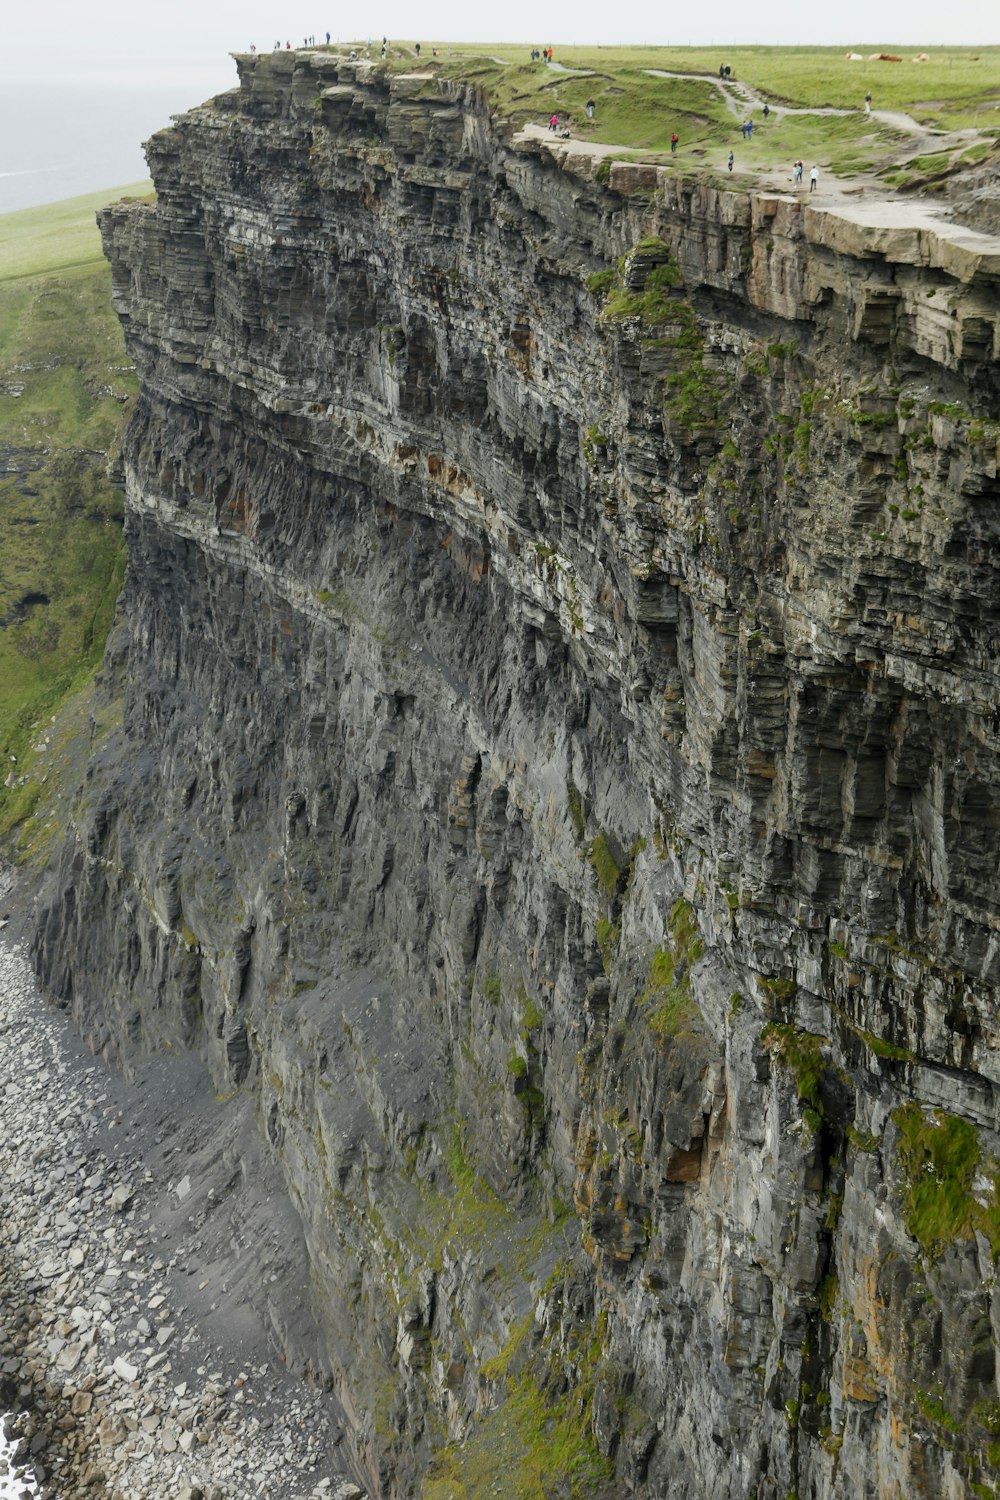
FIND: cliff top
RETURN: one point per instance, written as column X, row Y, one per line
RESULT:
column 932, row 117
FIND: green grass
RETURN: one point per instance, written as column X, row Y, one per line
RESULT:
column 637, row 112
column 537, row 1443
column 38, row 241
column 666, row 1002
column 948, row 1190
column 65, row 384
column 603, row 861
column 803, row 1054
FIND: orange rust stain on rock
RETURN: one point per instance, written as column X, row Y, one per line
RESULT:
column 684, row 1166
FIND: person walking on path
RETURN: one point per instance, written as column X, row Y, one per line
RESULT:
column 749, row 130
column 798, row 167
column 813, row 178
column 868, row 104
column 591, row 106
column 673, row 144
column 554, row 123
column 730, row 161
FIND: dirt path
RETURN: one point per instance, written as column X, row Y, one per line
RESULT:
column 740, row 98
column 741, row 101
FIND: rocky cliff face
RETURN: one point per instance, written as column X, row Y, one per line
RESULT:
column 558, row 787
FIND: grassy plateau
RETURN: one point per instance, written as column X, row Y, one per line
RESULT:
column 945, row 110
column 65, row 385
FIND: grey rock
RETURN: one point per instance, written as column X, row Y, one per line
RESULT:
column 518, row 689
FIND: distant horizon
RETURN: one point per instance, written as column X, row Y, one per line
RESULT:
column 95, row 139
column 106, row 107
column 62, row 35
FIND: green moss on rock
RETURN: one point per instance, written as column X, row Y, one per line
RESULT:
column 949, row 1191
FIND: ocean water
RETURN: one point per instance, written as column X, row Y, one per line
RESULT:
column 59, row 138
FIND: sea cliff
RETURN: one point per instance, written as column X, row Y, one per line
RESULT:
column 557, row 786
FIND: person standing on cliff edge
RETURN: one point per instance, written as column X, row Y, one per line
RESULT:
column 813, row 178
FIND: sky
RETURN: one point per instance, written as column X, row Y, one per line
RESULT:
column 63, row 35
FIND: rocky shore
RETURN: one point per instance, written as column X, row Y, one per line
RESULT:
column 118, row 1390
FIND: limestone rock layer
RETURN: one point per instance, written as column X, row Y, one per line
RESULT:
column 558, row 788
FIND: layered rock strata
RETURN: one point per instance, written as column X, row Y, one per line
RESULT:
column 558, row 785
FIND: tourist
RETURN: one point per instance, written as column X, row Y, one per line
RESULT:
column 730, row 161
column 767, row 110
column 813, row 178
column 418, row 49
column 591, row 106
column 554, row 123
column 673, row 144
column 868, row 104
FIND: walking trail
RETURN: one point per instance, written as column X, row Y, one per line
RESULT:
column 883, row 209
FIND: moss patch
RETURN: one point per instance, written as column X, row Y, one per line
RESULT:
column 605, row 867
column 802, row 1053
column 669, row 1008
column 537, row 1442
column 948, row 1189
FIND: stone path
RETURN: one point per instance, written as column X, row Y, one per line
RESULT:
column 120, row 1393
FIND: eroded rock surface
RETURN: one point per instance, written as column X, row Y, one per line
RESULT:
column 558, row 784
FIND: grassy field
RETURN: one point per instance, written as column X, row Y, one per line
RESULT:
column 957, row 89
column 36, row 241
column 65, row 385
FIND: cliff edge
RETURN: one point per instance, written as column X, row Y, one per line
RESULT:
column 558, row 787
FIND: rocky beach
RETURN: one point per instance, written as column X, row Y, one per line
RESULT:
column 120, row 1387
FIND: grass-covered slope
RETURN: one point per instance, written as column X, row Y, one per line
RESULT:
column 64, row 386
column 815, row 97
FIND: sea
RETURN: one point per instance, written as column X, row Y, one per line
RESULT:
column 64, row 136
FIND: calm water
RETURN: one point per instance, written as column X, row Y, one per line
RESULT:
column 58, row 139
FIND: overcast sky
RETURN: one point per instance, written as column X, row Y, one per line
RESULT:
column 51, row 36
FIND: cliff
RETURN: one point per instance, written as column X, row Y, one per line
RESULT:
column 558, row 786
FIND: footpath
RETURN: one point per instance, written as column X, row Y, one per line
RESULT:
column 116, row 1389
